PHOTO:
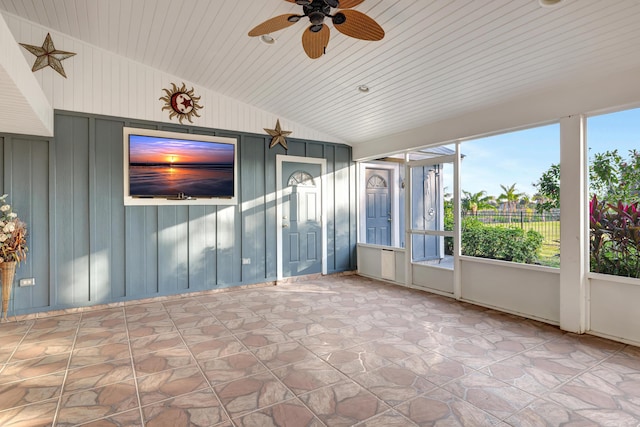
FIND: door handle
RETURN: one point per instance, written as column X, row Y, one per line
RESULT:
column 285, row 225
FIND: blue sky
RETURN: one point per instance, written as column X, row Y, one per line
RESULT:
column 521, row 157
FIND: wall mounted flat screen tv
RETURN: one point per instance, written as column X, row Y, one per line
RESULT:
column 169, row 168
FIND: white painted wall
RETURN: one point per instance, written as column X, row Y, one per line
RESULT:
column 530, row 291
column 100, row 82
column 371, row 258
column 23, row 105
column 432, row 278
column 614, row 307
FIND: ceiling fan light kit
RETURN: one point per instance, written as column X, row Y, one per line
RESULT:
column 267, row 39
column 549, row 3
column 316, row 37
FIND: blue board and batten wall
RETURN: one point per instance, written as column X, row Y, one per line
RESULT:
column 87, row 248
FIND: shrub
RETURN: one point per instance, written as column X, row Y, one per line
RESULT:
column 494, row 242
column 614, row 238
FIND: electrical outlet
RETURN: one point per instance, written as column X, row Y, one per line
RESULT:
column 246, row 261
column 31, row 281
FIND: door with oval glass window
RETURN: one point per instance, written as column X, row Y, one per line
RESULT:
column 301, row 219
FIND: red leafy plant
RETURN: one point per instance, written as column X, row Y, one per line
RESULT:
column 614, row 238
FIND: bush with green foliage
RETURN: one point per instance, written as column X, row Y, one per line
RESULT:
column 502, row 243
column 448, row 226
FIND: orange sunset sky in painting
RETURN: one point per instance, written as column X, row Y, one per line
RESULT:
column 149, row 149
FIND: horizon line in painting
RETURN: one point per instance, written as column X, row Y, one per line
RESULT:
column 167, row 167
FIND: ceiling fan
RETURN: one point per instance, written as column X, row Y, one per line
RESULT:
column 316, row 38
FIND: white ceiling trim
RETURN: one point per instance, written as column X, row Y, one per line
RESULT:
column 586, row 96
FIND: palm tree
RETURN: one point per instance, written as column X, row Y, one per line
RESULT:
column 510, row 198
column 474, row 202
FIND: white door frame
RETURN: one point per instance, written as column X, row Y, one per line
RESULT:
column 394, row 193
column 280, row 159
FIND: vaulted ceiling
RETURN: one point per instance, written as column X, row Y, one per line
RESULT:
column 440, row 59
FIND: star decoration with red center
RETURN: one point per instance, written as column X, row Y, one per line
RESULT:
column 48, row 56
column 279, row 136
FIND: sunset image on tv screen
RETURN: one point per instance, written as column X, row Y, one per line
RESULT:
column 168, row 167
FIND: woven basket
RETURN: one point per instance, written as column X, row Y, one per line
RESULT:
column 7, row 273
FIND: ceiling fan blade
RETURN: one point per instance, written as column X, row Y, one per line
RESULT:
column 273, row 24
column 358, row 25
column 348, row 4
column 315, row 43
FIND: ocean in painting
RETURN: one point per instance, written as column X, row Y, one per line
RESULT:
column 199, row 180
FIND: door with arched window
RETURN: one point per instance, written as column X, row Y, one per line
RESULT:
column 378, row 206
column 301, row 220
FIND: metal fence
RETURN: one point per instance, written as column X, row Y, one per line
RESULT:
column 547, row 223
column 519, row 216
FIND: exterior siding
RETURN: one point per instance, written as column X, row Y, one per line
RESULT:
column 87, row 248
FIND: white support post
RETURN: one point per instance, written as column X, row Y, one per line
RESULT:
column 573, row 232
column 457, row 228
column 408, row 240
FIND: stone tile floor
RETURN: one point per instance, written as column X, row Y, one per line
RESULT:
column 335, row 351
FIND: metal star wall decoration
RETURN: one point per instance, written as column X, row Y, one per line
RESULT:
column 48, row 56
column 278, row 135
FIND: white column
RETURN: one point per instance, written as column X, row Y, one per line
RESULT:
column 408, row 224
column 457, row 221
column 573, row 232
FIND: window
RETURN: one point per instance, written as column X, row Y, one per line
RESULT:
column 510, row 196
column 432, row 211
column 302, row 179
column 614, row 193
column 376, row 181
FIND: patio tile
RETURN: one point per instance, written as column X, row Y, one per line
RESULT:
column 229, row 368
column 200, row 408
column 97, row 403
column 99, row 354
column 248, row 394
column 219, row 347
column 291, row 413
column 31, row 368
column 308, row 375
column 394, row 384
column 343, row 404
column 35, row 415
column 162, row 360
column 128, row 418
column 283, row 354
column 168, row 384
column 93, row 376
column 31, row 390
column 493, row 396
column 435, row 367
column 443, row 408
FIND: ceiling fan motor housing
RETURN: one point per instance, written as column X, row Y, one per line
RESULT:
column 316, row 37
column 316, row 11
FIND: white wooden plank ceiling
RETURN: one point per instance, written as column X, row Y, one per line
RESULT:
column 439, row 59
